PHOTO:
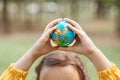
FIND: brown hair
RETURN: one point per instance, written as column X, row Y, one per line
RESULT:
column 62, row 58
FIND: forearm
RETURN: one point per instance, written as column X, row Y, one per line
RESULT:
column 25, row 62
column 99, row 60
column 41, row 47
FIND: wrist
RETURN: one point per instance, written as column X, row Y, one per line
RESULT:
column 93, row 53
column 35, row 53
column 99, row 60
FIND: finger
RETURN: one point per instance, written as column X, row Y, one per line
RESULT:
column 55, row 48
column 79, row 33
column 51, row 24
column 73, row 28
column 51, row 30
column 66, row 48
column 75, row 24
column 46, row 35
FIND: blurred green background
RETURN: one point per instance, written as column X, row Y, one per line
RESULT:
column 22, row 22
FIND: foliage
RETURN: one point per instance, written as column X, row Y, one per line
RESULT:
column 113, row 2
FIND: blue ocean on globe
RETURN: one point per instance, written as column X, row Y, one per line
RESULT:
column 62, row 36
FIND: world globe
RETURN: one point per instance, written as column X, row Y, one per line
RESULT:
column 62, row 36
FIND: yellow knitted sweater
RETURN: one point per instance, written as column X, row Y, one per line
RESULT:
column 13, row 73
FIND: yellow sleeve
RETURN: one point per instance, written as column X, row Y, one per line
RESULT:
column 112, row 73
column 13, row 73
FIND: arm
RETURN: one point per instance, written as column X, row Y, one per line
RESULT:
column 20, row 69
column 86, row 47
column 99, row 60
column 37, row 50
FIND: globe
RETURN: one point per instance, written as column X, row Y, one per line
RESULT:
column 62, row 36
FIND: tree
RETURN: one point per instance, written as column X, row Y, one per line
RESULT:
column 5, row 17
column 6, row 23
column 116, row 3
column 101, row 9
column 75, row 9
column 118, row 17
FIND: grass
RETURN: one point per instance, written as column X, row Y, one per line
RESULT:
column 12, row 47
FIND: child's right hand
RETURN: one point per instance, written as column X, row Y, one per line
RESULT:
column 84, row 44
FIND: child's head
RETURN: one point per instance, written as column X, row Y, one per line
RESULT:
column 60, row 65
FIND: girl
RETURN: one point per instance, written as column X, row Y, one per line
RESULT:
column 65, row 66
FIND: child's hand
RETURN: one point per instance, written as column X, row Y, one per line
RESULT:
column 84, row 44
column 43, row 46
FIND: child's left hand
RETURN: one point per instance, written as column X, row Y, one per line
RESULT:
column 43, row 46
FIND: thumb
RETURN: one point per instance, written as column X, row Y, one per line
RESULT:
column 69, row 48
column 55, row 48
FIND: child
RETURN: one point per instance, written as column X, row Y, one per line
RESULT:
column 52, row 68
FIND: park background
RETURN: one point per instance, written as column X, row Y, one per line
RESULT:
column 23, row 21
